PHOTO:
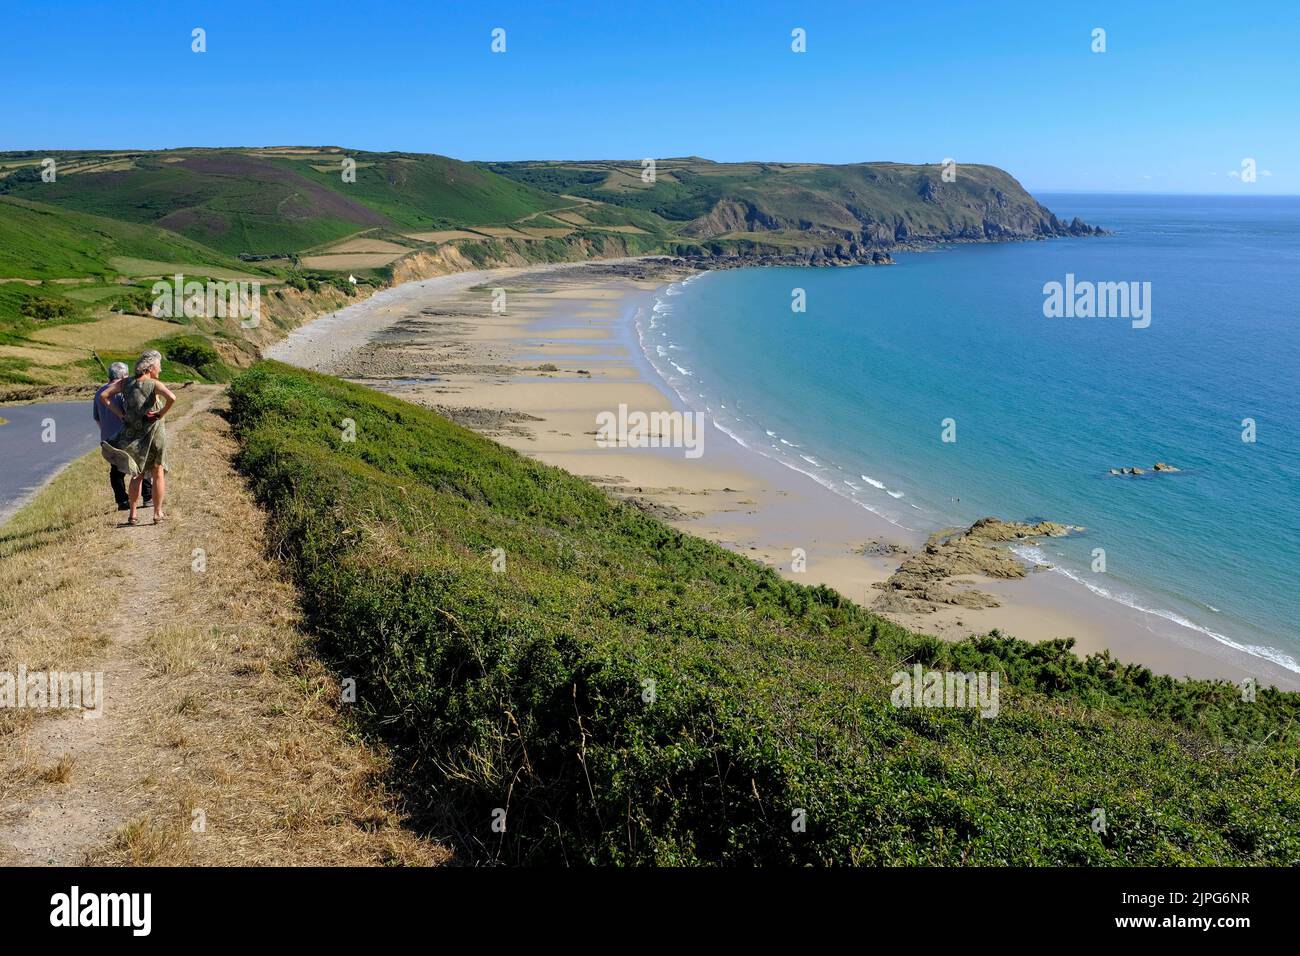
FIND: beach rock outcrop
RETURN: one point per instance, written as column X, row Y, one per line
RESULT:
column 922, row 582
column 995, row 529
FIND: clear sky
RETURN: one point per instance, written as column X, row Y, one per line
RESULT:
column 1183, row 93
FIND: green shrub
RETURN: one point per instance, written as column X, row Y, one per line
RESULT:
column 45, row 309
column 185, row 358
column 189, row 350
column 631, row 694
column 135, row 301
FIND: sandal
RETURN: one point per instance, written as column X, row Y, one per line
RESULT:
column 159, row 519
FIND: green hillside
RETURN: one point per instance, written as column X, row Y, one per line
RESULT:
column 426, row 191
column 874, row 203
column 228, row 200
column 277, row 202
column 89, row 246
column 626, row 693
column 41, row 241
column 76, row 267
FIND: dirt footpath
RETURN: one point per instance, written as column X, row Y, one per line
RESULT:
column 222, row 740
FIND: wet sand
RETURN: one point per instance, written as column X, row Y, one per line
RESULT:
column 536, row 376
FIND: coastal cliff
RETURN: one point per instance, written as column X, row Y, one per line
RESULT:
column 815, row 214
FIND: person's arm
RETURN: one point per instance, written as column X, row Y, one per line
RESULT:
column 106, row 397
column 168, row 395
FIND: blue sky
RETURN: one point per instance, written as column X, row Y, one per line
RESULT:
column 1184, row 92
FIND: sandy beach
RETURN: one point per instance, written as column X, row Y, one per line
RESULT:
column 531, row 356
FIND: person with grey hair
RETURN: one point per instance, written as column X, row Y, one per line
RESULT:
column 110, row 426
column 140, row 449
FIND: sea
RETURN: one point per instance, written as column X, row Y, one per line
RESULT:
column 945, row 388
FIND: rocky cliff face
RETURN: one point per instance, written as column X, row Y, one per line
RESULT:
column 882, row 206
column 731, row 215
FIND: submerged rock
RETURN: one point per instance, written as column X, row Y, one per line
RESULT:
column 1158, row 466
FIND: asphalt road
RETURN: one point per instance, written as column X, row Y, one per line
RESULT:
column 28, row 459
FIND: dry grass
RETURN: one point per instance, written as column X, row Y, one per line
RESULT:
column 131, row 266
column 52, row 554
column 48, row 356
column 145, row 842
column 122, row 333
column 544, row 232
column 572, row 218
column 442, row 235
column 502, row 232
column 364, row 245
column 268, row 758
column 174, row 651
column 353, row 260
column 60, row 772
column 223, row 740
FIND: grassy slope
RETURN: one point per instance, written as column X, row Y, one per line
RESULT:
column 524, row 689
column 114, row 217
column 428, row 192
column 229, row 201
column 241, row 202
column 42, row 241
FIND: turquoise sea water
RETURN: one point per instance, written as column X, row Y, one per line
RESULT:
column 854, row 392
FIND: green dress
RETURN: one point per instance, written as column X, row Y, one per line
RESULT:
column 142, row 443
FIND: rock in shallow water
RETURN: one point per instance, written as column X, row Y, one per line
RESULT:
column 921, row 582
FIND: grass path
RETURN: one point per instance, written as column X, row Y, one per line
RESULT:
column 222, row 740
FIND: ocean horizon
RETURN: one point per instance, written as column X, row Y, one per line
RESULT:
column 861, row 388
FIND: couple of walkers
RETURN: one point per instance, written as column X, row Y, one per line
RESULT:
column 130, row 413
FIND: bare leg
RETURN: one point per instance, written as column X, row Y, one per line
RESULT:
column 159, row 492
column 133, row 494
